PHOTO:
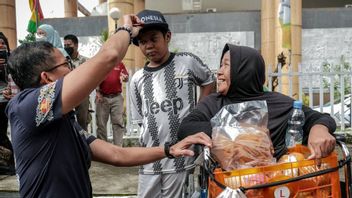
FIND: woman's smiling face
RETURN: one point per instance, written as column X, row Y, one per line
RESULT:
column 224, row 77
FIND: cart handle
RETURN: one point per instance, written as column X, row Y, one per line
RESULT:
column 314, row 174
column 346, row 154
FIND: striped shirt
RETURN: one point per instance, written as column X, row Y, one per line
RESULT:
column 160, row 98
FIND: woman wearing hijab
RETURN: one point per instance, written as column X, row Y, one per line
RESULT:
column 46, row 32
column 240, row 78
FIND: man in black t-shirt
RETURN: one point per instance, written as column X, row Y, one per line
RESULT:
column 53, row 153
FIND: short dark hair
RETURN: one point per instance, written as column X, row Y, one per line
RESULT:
column 147, row 29
column 155, row 28
column 28, row 61
column 71, row 37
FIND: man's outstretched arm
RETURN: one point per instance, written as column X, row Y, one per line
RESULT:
column 132, row 156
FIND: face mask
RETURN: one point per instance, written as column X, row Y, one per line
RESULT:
column 40, row 38
column 3, row 56
column 69, row 50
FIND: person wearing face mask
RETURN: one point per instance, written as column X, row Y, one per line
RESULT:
column 46, row 32
column 6, row 151
column 71, row 47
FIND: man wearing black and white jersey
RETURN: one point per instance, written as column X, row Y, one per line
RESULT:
column 162, row 94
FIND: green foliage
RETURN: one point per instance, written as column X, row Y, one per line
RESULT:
column 175, row 50
column 104, row 35
column 30, row 37
column 342, row 67
column 305, row 98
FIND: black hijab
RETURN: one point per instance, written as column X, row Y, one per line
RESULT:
column 247, row 65
column 247, row 79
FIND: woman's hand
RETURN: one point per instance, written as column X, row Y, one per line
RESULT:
column 320, row 142
column 181, row 148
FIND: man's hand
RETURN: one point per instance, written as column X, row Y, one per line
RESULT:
column 124, row 77
column 7, row 93
column 181, row 148
column 98, row 97
column 134, row 22
column 320, row 142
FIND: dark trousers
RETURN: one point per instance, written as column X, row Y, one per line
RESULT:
column 4, row 140
column 83, row 115
column 8, row 162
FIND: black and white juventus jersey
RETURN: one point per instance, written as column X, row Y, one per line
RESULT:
column 160, row 98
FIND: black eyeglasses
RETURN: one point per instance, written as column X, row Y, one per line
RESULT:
column 67, row 62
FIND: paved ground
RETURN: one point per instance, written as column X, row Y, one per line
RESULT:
column 107, row 181
column 112, row 180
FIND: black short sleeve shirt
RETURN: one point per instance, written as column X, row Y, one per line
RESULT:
column 51, row 150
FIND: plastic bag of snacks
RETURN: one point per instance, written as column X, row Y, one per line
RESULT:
column 240, row 136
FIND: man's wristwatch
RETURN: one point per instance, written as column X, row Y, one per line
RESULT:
column 126, row 28
column 167, row 150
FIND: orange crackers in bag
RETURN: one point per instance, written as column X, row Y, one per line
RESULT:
column 240, row 136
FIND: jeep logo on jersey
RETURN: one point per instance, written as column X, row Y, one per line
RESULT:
column 175, row 105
